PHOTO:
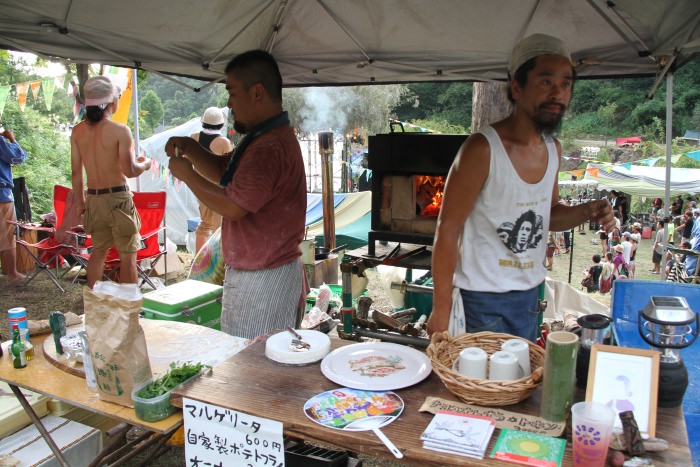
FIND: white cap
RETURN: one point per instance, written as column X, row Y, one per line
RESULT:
column 534, row 46
column 100, row 90
column 213, row 116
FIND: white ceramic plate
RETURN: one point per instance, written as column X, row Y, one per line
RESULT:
column 277, row 347
column 380, row 366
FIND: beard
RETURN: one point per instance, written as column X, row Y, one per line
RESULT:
column 240, row 127
column 548, row 122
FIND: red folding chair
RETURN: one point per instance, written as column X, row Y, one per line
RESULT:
column 48, row 253
column 151, row 208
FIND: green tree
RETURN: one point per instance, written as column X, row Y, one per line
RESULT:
column 152, row 109
column 606, row 114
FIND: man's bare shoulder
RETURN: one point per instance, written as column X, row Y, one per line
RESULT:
column 476, row 146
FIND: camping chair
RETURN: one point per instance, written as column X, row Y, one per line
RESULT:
column 48, row 253
column 151, row 208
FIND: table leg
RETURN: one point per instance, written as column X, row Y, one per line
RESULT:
column 39, row 426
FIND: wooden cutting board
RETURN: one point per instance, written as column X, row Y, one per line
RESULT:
column 167, row 341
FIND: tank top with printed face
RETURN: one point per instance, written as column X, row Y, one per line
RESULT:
column 504, row 238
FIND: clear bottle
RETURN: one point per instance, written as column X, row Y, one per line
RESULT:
column 28, row 346
column 19, row 358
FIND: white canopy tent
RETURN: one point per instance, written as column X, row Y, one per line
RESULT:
column 340, row 42
column 327, row 42
column 645, row 181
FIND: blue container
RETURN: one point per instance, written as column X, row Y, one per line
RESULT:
column 17, row 316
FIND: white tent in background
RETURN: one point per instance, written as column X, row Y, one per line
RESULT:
column 182, row 204
column 645, row 181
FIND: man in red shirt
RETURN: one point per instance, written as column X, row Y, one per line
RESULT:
column 260, row 191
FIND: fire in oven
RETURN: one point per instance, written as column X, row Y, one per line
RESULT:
column 409, row 171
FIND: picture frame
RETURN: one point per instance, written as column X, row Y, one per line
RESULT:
column 625, row 378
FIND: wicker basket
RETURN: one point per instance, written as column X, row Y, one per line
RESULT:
column 444, row 350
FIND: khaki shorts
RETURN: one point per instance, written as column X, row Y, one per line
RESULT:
column 112, row 220
column 7, row 231
column 210, row 220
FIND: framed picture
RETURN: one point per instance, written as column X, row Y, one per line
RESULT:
column 625, row 379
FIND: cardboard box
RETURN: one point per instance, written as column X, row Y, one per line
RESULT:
column 188, row 301
column 173, row 262
column 12, row 414
column 324, row 271
column 78, row 443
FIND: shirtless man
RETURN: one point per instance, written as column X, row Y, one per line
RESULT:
column 105, row 149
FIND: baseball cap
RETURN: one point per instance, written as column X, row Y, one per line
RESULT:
column 100, row 90
column 535, row 46
column 626, row 235
column 637, row 224
column 213, row 116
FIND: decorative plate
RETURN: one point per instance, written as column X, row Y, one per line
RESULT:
column 380, row 366
column 339, row 408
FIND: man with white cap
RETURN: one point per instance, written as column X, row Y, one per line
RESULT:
column 499, row 174
column 105, row 150
column 211, row 139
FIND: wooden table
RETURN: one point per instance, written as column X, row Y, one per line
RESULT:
column 166, row 341
column 250, row 383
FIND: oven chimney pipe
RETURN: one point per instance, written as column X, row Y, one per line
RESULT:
column 325, row 148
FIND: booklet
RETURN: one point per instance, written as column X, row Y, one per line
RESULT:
column 458, row 433
column 529, row 449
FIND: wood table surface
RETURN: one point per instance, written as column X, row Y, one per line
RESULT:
column 251, row 383
column 166, row 341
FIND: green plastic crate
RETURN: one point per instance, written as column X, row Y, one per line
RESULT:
column 189, row 301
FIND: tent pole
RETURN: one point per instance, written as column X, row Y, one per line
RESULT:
column 135, row 107
column 669, row 138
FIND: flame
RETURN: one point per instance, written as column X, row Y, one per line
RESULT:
column 433, row 186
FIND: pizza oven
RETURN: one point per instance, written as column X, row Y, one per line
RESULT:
column 409, row 171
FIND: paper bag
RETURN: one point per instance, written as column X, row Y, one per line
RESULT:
column 116, row 340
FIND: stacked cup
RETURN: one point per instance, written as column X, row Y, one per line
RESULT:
column 510, row 363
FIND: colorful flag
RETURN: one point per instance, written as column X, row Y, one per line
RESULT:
column 22, row 89
column 49, row 85
column 122, row 113
column 4, row 91
column 35, row 85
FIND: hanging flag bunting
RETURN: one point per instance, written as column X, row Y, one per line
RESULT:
column 49, row 85
column 22, row 89
column 122, row 113
column 4, row 91
column 651, row 162
column 60, row 82
column 35, row 85
column 627, row 165
column 577, row 173
column 593, row 172
column 675, row 159
column 693, row 155
column 608, row 168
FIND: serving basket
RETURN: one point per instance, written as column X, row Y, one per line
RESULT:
column 444, row 350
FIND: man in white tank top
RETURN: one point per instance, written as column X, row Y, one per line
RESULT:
column 501, row 199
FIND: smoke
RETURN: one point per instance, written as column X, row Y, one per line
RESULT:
column 326, row 109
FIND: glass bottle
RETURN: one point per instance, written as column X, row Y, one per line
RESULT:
column 19, row 358
column 28, row 347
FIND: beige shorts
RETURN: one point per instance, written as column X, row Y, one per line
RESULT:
column 7, row 231
column 210, row 220
column 112, row 220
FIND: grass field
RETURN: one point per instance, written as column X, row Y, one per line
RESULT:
column 580, row 260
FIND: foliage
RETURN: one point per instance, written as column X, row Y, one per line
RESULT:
column 150, row 112
column 450, row 102
column 442, row 126
column 48, row 155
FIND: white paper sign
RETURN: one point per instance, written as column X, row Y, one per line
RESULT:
column 219, row 437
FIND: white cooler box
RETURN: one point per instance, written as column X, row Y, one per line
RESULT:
column 79, row 443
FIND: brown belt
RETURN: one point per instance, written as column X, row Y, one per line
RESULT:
column 104, row 191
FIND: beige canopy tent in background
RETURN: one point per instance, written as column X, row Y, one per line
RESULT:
column 339, row 42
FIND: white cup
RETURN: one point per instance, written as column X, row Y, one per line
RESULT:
column 472, row 363
column 504, row 365
column 521, row 349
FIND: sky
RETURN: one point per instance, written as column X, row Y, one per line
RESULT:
column 52, row 69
